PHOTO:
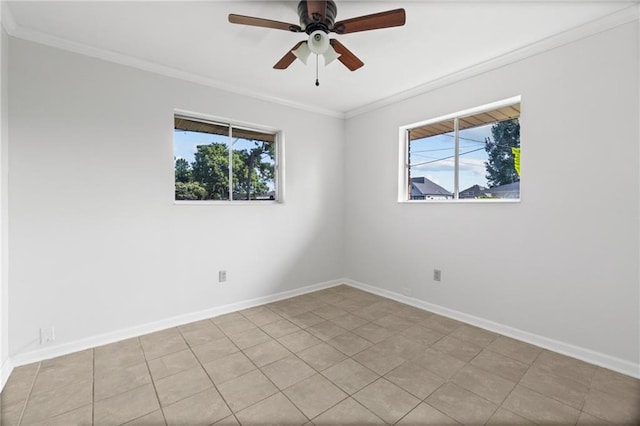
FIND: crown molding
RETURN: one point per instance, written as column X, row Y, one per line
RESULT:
column 18, row 31
column 621, row 17
column 610, row 21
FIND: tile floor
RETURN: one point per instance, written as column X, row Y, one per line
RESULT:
column 334, row 357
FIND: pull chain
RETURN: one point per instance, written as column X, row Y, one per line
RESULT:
column 317, row 82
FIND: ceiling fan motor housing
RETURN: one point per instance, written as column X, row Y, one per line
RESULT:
column 316, row 23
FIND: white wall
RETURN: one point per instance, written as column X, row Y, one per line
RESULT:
column 4, row 283
column 96, row 243
column 561, row 264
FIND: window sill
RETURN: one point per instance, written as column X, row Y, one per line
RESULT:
column 226, row 203
column 473, row 201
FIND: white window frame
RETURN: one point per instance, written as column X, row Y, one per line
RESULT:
column 403, row 154
column 279, row 159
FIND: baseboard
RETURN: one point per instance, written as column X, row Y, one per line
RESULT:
column 587, row 355
column 5, row 371
column 115, row 336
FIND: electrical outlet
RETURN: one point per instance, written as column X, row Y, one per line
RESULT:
column 437, row 275
column 222, row 276
column 47, row 335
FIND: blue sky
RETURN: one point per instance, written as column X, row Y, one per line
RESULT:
column 433, row 158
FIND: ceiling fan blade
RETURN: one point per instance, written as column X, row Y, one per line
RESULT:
column 265, row 23
column 317, row 10
column 349, row 60
column 288, row 58
column 390, row 18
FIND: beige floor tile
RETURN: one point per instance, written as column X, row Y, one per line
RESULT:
column 350, row 376
column 616, row 409
column 162, row 343
column 266, row 353
column 586, row 419
column 373, row 332
column 280, row 328
column 349, row 343
column 232, row 316
column 10, row 414
column 386, row 400
column 115, row 381
column 126, row 406
column 57, row 401
column 440, row 324
column 460, row 349
column 235, row 325
column 347, row 412
column 229, row 367
column 401, row 346
column 557, row 387
column 565, row 366
column 155, row 418
column 299, row 341
column 461, row 405
column 379, row 360
column 201, row 409
column 487, row 385
column 439, row 363
column 504, row 417
column 394, row 323
column 117, row 355
column 321, row 356
column 474, row 335
column 422, row 335
column 275, row 410
column 515, row 349
column 201, row 332
column 500, row 365
column 248, row 338
column 415, row 380
column 314, row 395
column 214, row 350
column 413, row 314
column 615, row 383
column 227, row 421
column 61, row 371
column 171, row 364
column 19, row 384
column 326, row 330
column 288, row 371
column 262, row 316
column 349, row 321
column 425, row 414
column 307, row 320
column 539, row 408
column 328, row 311
column 246, row 390
column 182, row 385
column 80, row 416
column 372, row 312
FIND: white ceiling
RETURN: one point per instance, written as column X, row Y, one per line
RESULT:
column 194, row 40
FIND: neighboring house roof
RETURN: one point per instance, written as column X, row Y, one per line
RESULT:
column 472, row 192
column 421, row 186
column 509, row 190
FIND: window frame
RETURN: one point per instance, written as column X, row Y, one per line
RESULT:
column 236, row 124
column 403, row 154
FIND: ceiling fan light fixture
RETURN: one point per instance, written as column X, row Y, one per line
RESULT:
column 302, row 52
column 318, row 42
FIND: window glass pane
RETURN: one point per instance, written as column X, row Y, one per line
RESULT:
column 487, row 168
column 253, row 165
column 201, row 157
column 431, row 162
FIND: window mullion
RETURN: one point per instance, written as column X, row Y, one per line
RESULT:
column 230, row 188
column 456, row 159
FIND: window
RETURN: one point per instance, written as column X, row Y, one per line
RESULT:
column 224, row 162
column 474, row 155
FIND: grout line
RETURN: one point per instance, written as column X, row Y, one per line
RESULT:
column 93, row 387
column 153, row 383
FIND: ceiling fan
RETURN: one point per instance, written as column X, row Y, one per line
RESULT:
column 317, row 19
